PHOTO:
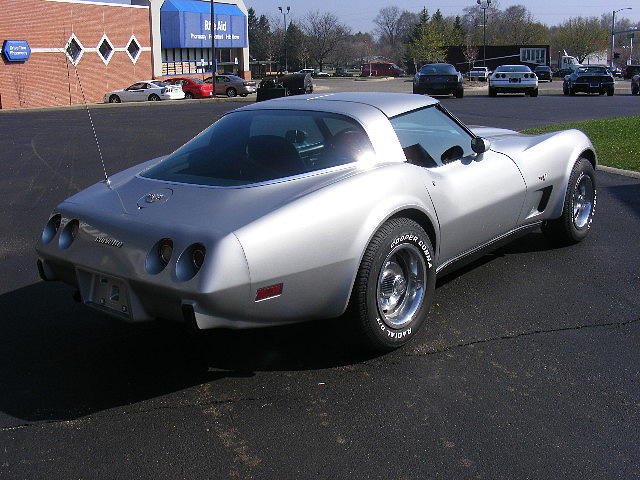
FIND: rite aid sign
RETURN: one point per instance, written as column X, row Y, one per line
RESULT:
column 16, row 50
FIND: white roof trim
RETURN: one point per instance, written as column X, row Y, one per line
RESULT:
column 102, row 4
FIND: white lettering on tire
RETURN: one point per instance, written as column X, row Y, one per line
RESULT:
column 414, row 238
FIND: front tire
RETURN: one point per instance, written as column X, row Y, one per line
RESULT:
column 114, row 99
column 394, row 286
column 231, row 92
column 578, row 209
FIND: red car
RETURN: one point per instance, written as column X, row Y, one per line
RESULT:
column 192, row 87
column 381, row 69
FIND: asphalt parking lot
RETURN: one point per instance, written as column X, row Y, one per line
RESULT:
column 528, row 368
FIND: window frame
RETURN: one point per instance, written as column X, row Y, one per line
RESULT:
column 448, row 114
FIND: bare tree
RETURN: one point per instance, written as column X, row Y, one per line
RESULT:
column 394, row 27
column 581, row 36
column 324, row 33
column 470, row 54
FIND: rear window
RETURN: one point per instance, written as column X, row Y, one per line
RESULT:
column 513, row 68
column 439, row 68
column 249, row 147
column 594, row 70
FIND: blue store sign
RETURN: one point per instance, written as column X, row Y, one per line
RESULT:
column 16, row 50
column 187, row 24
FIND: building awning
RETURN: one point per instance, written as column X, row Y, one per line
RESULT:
column 187, row 24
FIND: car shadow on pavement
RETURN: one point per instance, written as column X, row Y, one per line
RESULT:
column 628, row 194
column 60, row 360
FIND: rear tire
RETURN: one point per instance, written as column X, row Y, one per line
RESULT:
column 492, row 92
column 114, row 99
column 154, row 98
column 231, row 92
column 578, row 209
column 610, row 92
column 635, row 90
column 244, row 94
column 459, row 93
column 394, row 286
column 533, row 93
column 188, row 95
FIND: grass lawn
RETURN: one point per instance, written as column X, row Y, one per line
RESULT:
column 617, row 140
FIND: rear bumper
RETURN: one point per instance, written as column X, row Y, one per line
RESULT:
column 512, row 87
column 437, row 89
column 592, row 87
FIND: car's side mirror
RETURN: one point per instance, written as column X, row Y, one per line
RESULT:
column 480, row 145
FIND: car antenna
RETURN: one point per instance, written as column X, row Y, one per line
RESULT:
column 93, row 128
column 107, row 181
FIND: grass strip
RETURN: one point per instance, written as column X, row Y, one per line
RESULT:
column 616, row 140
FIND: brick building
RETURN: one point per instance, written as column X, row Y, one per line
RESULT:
column 92, row 47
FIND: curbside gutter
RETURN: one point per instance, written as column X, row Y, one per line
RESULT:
column 619, row 171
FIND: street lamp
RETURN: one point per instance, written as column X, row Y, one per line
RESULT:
column 484, row 5
column 285, row 11
column 613, row 33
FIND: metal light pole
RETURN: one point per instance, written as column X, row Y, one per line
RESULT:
column 285, row 11
column 484, row 5
column 214, row 64
column 613, row 31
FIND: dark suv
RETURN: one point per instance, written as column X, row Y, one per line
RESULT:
column 630, row 71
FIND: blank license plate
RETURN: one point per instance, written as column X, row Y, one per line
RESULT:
column 111, row 293
column 514, row 80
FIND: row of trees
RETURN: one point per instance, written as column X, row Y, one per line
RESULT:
column 410, row 38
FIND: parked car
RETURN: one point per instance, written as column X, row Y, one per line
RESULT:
column 232, row 85
column 314, row 72
column 563, row 72
column 381, row 69
column 543, row 72
column 292, row 84
column 513, row 79
column 589, row 79
column 287, row 210
column 438, row 79
column 192, row 87
column 151, row 90
column 630, row 71
column 635, row 85
column 479, row 74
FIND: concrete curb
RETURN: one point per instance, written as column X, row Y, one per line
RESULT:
column 619, row 171
column 95, row 106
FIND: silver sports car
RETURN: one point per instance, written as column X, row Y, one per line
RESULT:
column 302, row 208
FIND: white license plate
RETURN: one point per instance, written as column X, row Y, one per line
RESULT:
column 110, row 293
column 514, row 80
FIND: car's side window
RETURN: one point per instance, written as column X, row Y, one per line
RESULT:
column 431, row 138
column 135, row 86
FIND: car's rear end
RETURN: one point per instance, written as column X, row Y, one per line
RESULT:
column 168, row 91
column 543, row 73
column 245, row 87
column 593, row 81
column 513, row 79
column 438, row 79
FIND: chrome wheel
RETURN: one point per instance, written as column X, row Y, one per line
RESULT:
column 401, row 285
column 583, row 196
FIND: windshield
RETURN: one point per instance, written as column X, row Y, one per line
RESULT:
column 249, row 147
column 596, row 70
column 513, row 68
column 438, row 68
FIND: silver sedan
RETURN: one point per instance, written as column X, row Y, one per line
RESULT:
column 308, row 207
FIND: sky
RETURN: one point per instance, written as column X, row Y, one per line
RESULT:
column 359, row 14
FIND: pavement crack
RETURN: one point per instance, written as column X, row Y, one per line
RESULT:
column 518, row 335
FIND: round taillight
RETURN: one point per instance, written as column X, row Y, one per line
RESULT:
column 197, row 256
column 51, row 228
column 68, row 234
column 165, row 250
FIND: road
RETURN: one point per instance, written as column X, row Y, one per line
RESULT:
column 527, row 369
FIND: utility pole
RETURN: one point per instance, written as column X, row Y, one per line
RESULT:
column 613, row 31
column 285, row 11
column 214, row 63
column 484, row 5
